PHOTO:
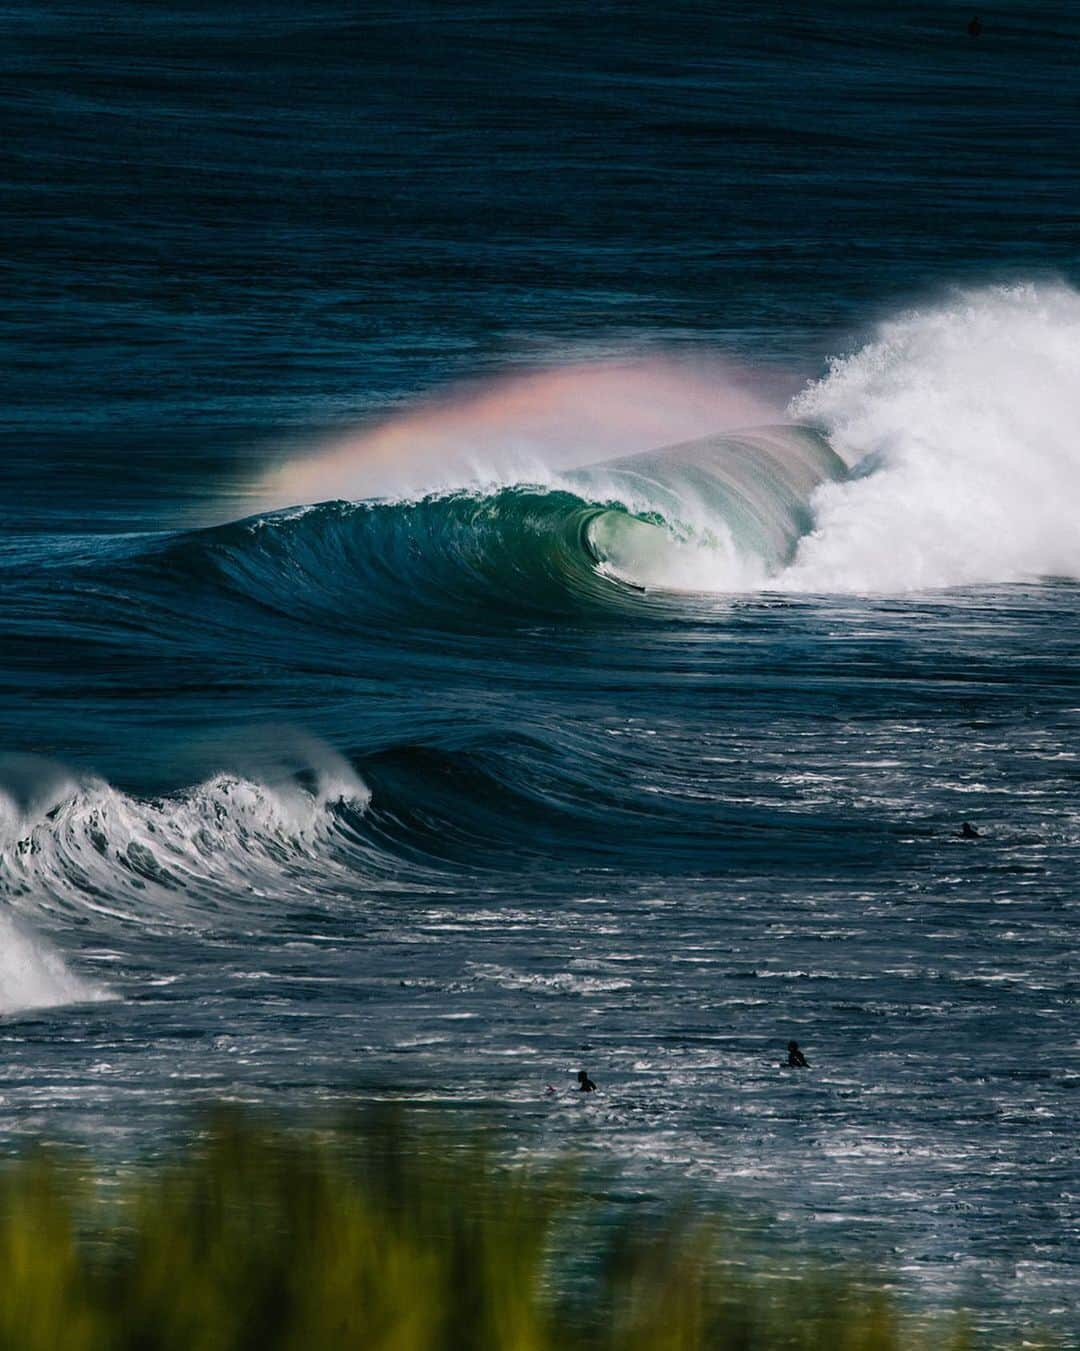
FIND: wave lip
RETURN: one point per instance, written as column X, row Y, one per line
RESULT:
column 732, row 508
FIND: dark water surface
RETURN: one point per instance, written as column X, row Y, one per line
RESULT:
column 646, row 767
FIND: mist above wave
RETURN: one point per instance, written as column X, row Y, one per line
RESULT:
column 522, row 426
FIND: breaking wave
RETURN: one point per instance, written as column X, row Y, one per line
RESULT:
column 943, row 453
column 720, row 514
column 76, row 849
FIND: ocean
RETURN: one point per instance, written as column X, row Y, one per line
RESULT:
column 525, row 531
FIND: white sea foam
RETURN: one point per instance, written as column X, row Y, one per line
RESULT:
column 33, row 975
column 69, row 843
column 963, row 424
column 960, row 423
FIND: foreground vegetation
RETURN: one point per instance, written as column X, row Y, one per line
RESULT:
column 393, row 1238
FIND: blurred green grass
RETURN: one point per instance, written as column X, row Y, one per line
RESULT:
column 390, row 1235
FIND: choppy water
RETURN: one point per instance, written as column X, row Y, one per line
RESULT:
column 366, row 731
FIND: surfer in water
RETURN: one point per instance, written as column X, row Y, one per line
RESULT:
column 585, row 1084
column 795, row 1058
column 968, row 831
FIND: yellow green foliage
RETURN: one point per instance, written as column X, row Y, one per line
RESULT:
column 387, row 1237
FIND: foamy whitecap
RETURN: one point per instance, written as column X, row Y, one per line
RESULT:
column 87, row 846
column 962, row 423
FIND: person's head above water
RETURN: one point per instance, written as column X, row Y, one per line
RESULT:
column 584, row 1082
column 793, row 1045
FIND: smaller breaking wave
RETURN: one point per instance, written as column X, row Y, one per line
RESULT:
column 81, row 847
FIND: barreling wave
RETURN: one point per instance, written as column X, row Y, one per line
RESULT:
column 719, row 514
column 942, row 453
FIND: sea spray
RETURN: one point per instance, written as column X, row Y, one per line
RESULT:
column 520, row 426
column 962, row 421
column 33, row 975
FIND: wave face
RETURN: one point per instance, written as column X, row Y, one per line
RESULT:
column 962, row 421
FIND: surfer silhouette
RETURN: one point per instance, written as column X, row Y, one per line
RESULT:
column 585, row 1084
column 795, row 1058
column 968, row 831
column 975, row 26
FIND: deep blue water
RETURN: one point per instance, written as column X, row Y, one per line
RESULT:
column 537, row 744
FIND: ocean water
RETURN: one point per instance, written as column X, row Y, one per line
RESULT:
column 525, row 530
